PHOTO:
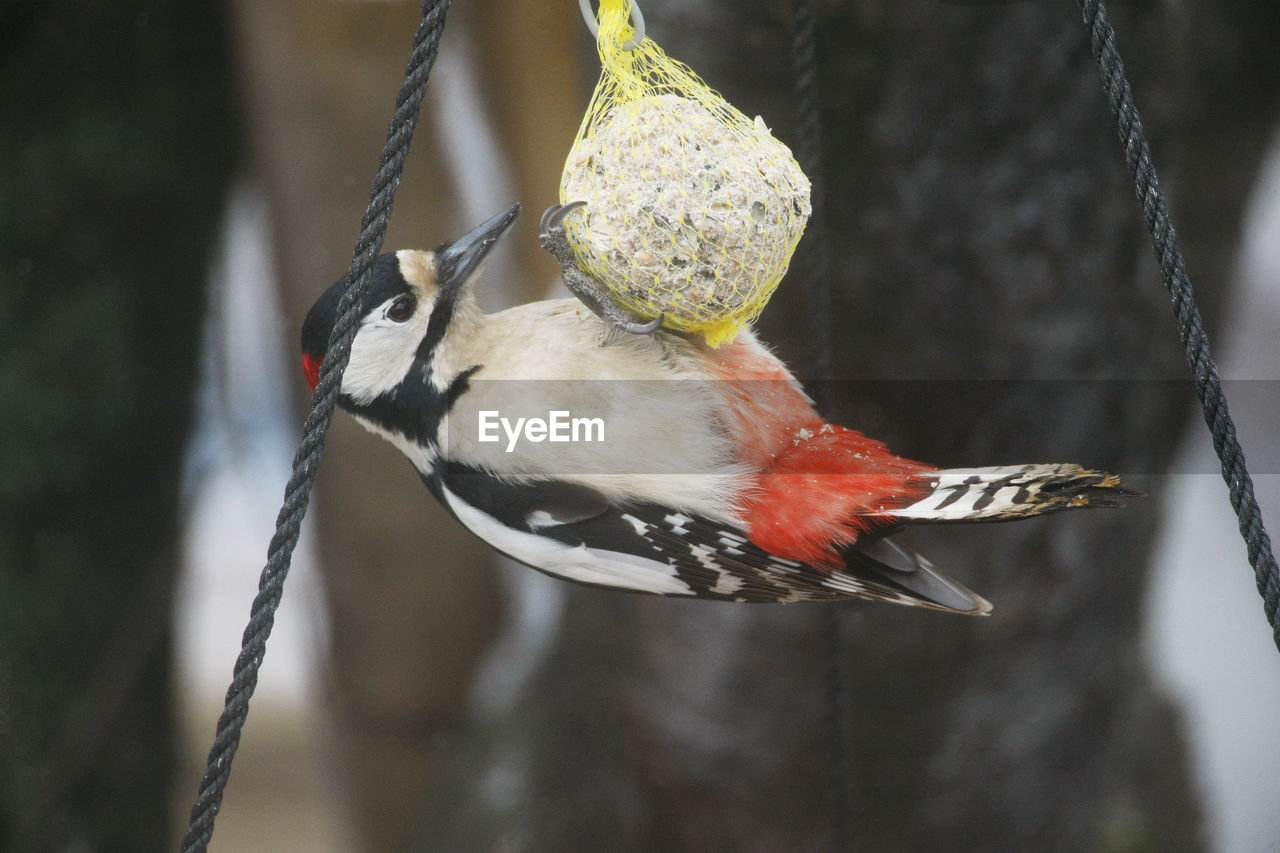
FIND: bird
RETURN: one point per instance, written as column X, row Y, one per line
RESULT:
column 698, row 472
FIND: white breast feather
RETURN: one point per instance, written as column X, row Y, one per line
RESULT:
column 662, row 443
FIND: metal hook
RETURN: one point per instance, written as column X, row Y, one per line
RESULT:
column 637, row 23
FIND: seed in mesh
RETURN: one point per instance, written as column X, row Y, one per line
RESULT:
column 685, row 215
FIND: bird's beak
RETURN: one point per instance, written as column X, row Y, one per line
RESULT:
column 456, row 262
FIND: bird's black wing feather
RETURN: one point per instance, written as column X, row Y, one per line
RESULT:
column 713, row 560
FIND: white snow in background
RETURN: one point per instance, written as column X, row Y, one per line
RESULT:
column 1207, row 634
column 237, row 466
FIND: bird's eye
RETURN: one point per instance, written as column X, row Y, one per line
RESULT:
column 401, row 309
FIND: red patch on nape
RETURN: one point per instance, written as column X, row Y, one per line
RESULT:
column 819, row 496
column 311, row 369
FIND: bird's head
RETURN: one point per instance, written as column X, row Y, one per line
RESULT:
column 414, row 299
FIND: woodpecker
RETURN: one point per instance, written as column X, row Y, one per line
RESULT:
column 715, row 477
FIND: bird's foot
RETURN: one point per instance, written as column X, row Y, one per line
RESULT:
column 552, row 237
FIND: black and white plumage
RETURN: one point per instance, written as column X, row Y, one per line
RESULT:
column 715, row 478
column 573, row 532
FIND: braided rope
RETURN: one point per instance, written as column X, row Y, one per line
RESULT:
column 815, row 280
column 808, row 151
column 1190, row 327
column 306, row 461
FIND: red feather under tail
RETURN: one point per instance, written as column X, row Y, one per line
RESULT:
column 814, row 501
column 818, row 481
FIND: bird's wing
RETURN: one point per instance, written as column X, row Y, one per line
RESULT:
column 572, row 531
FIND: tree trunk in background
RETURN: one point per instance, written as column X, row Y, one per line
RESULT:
column 982, row 227
column 116, row 141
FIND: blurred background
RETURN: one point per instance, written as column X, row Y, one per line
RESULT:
column 181, row 180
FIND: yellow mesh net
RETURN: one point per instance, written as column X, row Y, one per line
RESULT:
column 693, row 210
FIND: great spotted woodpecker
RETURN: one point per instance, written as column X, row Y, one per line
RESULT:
column 715, row 477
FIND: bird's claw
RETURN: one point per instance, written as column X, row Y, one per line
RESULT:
column 552, row 237
column 553, row 216
column 637, row 327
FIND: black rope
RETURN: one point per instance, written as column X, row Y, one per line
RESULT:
column 815, row 280
column 808, row 149
column 298, row 491
column 1190, row 327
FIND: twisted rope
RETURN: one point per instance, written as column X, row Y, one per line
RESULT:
column 816, row 284
column 808, row 150
column 305, row 463
column 1190, row 327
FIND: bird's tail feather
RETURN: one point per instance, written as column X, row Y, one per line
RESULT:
column 1012, row 491
column 886, row 569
